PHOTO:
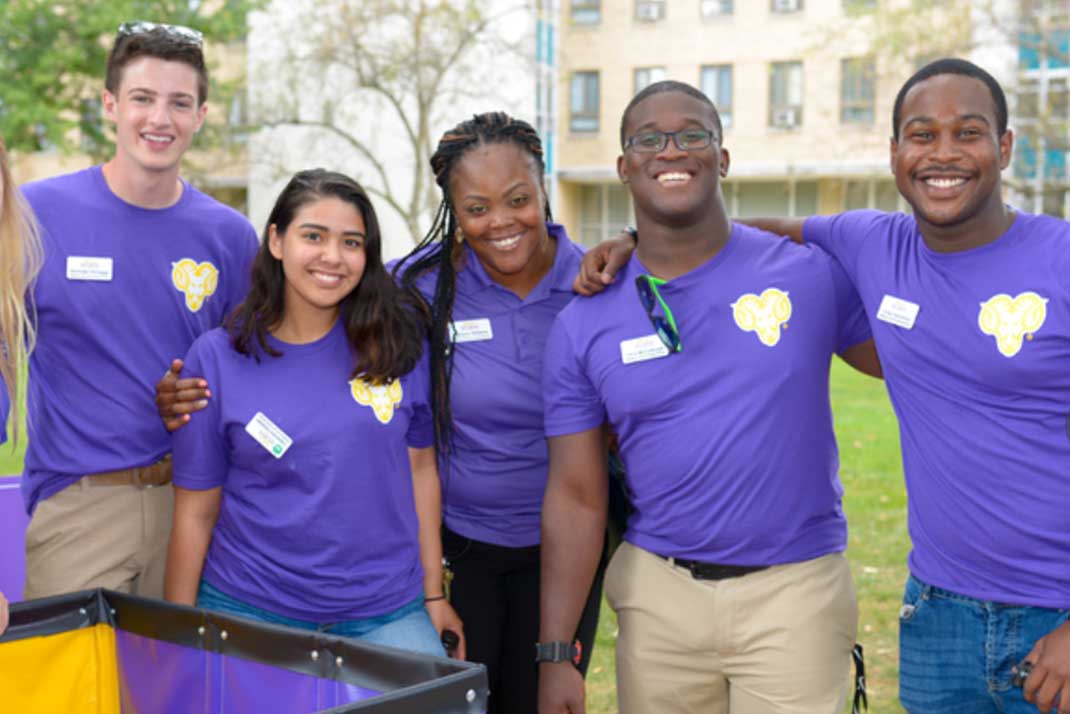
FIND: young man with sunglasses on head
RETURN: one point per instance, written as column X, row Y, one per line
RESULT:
column 138, row 263
column 709, row 358
column 969, row 302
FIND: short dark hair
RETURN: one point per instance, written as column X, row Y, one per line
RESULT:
column 162, row 45
column 953, row 65
column 384, row 327
column 669, row 85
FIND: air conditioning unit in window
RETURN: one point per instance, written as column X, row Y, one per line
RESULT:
column 648, row 11
column 786, row 119
column 786, row 5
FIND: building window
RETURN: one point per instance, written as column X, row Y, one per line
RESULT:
column 604, row 210
column 716, row 8
column 852, row 7
column 880, row 194
column 747, row 199
column 785, row 95
column 645, row 76
column 586, row 12
column 716, row 83
column 649, row 10
column 858, row 79
column 583, row 116
column 785, row 6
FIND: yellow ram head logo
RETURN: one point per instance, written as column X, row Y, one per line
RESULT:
column 1010, row 320
column 382, row 398
column 763, row 314
column 195, row 280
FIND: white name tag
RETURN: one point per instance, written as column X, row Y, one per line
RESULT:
column 268, row 435
column 82, row 267
column 897, row 311
column 471, row 330
column 641, row 349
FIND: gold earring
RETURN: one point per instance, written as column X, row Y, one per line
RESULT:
column 459, row 235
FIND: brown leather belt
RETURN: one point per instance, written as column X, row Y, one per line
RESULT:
column 157, row 474
column 712, row 571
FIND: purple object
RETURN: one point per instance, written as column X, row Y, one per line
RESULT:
column 728, row 444
column 498, row 466
column 122, row 292
column 324, row 529
column 13, row 522
column 166, row 678
column 975, row 346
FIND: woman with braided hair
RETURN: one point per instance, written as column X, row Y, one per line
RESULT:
column 495, row 271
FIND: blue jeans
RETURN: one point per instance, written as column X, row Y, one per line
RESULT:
column 407, row 628
column 956, row 652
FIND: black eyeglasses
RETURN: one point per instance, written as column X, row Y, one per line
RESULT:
column 178, row 32
column 649, row 298
column 651, row 142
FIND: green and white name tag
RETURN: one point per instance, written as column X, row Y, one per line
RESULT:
column 268, row 435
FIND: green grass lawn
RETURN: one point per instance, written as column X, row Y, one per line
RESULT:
column 875, row 501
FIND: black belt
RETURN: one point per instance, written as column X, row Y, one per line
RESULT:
column 712, row 571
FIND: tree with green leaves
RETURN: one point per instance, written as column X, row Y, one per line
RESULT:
column 54, row 55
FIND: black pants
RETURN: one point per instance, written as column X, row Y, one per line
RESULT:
column 495, row 592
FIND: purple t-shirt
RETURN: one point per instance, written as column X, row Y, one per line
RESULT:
column 496, row 476
column 326, row 531
column 123, row 291
column 728, row 444
column 976, row 353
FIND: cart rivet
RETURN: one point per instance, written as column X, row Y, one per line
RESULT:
column 337, row 661
column 200, row 630
column 470, row 696
column 112, row 611
column 82, row 611
column 315, row 655
column 223, row 635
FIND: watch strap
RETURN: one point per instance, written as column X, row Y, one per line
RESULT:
column 558, row 651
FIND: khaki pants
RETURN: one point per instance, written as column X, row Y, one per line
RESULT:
column 773, row 642
column 89, row 536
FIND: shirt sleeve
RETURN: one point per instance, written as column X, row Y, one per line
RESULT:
column 842, row 235
column 571, row 404
column 239, row 281
column 852, row 325
column 421, row 433
column 199, row 448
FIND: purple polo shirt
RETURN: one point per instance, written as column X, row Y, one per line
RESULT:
column 728, row 444
column 980, row 381
column 494, row 482
column 123, row 291
column 328, row 530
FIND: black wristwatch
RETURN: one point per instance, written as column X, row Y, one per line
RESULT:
column 559, row 652
column 632, row 231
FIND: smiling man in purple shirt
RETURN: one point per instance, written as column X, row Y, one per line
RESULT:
column 709, row 358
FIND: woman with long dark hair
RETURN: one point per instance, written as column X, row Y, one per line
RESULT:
column 307, row 492
column 494, row 271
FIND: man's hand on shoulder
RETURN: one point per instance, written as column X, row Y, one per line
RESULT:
column 601, row 264
column 177, row 398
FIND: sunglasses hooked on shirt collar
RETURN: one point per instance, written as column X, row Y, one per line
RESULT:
column 650, row 298
column 177, row 32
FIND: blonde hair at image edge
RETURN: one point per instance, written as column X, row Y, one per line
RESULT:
column 20, row 260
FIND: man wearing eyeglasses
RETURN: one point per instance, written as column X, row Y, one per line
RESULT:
column 138, row 263
column 709, row 358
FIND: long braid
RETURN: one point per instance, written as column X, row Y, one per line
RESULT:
column 438, row 250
